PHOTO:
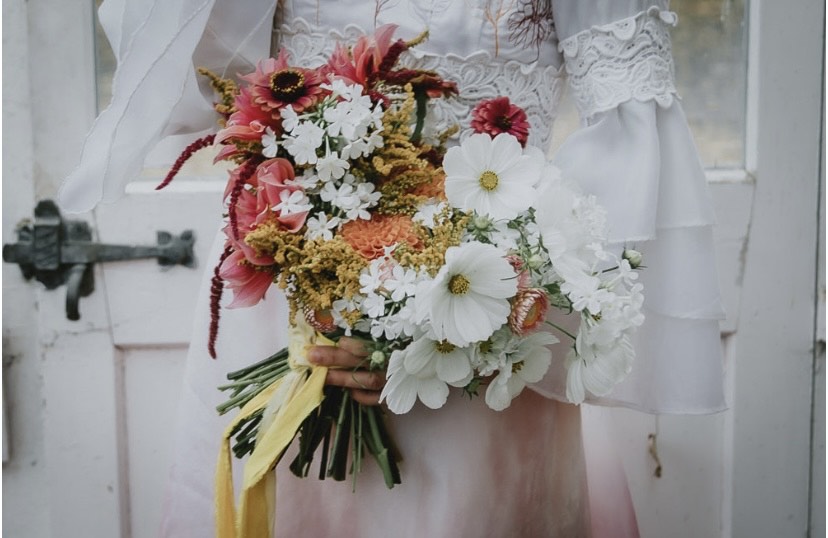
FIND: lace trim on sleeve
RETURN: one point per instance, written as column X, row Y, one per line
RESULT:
column 624, row 60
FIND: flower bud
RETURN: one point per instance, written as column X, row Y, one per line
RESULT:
column 632, row 256
column 481, row 222
column 377, row 358
column 535, row 262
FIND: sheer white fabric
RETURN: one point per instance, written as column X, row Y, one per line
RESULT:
column 635, row 153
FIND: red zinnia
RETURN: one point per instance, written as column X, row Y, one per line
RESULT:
column 497, row 116
column 275, row 85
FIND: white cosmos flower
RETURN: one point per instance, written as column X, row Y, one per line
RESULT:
column 528, row 364
column 468, row 299
column 595, row 368
column 452, row 363
column 404, row 387
column 491, row 176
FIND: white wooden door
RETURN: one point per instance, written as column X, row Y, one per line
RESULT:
column 108, row 383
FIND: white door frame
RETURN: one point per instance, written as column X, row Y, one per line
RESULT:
column 775, row 338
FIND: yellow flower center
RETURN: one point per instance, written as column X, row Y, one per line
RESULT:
column 459, row 285
column 444, row 347
column 489, row 180
column 517, row 367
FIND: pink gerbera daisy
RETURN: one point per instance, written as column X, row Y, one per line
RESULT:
column 498, row 115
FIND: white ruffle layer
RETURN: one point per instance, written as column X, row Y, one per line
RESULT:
column 639, row 160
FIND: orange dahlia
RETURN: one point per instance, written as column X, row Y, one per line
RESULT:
column 370, row 237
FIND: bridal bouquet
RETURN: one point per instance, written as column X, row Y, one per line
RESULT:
column 445, row 260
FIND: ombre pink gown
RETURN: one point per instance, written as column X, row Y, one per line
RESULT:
column 468, row 471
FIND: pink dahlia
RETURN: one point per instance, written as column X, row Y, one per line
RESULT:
column 275, row 85
column 247, row 123
column 357, row 64
column 498, row 115
column 248, row 282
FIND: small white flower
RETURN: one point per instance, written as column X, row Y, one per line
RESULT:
column 372, row 277
column 292, row 202
column 306, row 181
column 289, row 119
column 331, row 166
column 373, row 305
column 427, row 212
column 528, row 364
column 596, row 369
column 270, row 143
column 355, row 149
column 402, row 283
column 372, row 142
column 586, row 293
column 321, row 227
column 306, row 139
column 339, row 88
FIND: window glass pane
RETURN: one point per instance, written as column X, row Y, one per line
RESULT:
column 710, row 52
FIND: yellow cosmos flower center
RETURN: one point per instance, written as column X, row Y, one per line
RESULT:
column 489, row 180
column 444, row 347
column 459, row 285
column 517, row 367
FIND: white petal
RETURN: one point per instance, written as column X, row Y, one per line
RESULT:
column 453, row 367
column 400, row 393
column 574, row 381
column 455, row 164
column 432, row 392
column 535, row 365
column 497, row 395
column 477, row 150
column 505, row 151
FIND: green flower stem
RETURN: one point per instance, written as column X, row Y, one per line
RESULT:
column 261, row 380
column 339, row 450
column 556, row 326
column 380, row 451
column 421, row 98
column 278, row 356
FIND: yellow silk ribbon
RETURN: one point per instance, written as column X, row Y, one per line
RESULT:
column 287, row 402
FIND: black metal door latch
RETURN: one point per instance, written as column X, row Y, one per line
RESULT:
column 56, row 252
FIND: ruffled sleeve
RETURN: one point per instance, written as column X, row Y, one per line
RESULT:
column 156, row 95
column 635, row 153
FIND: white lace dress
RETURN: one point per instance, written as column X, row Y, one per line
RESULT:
column 467, row 471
